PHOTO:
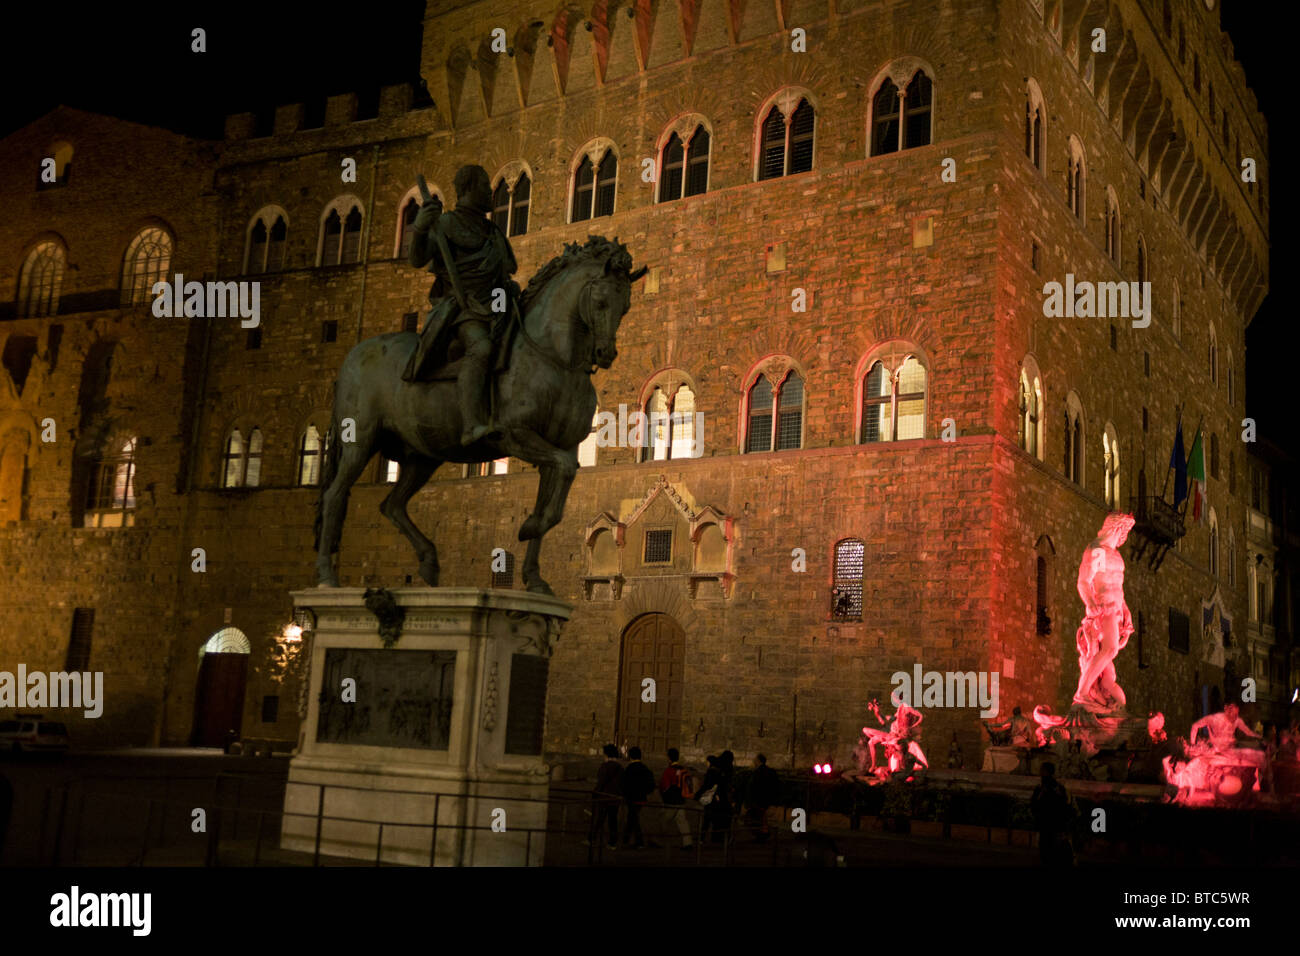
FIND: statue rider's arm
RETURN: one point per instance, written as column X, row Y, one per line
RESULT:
column 424, row 243
column 1197, row 726
column 1241, row 725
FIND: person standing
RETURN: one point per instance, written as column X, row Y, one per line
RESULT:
column 764, row 792
column 605, row 797
column 638, row 783
column 674, row 787
column 1054, row 812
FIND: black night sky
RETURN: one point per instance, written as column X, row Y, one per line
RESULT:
column 134, row 61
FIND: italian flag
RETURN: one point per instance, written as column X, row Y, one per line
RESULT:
column 1196, row 479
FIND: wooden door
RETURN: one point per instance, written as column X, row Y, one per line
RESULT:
column 219, row 701
column 654, row 646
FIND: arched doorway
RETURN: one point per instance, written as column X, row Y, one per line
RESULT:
column 654, row 645
column 219, row 698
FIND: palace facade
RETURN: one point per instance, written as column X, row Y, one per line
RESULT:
column 883, row 453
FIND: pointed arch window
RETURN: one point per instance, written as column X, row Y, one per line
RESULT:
column 893, row 399
column 311, row 450
column 1213, row 556
column 594, row 186
column 409, row 212
column 1078, row 178
column 1110, row 465
column 786, row 142
column 147, row 261
column 1074, row 457
column 1113, row 241
column 846, row 590
column 902, row 119
column 684, row 167
column 341, row 234
column 1035, row 125
column 670, row 429
column 41, row 280
column 1031, row 405
column 266, row 243
column 242, row 460
column 110, row 502
column 510, row 204
column 775, row 417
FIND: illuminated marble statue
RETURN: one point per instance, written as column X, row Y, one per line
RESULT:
column 902, row 735
column 1097, row 710
column 1107, row 624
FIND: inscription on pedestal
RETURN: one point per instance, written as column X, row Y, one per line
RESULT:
column 526, row 713
column 403, row 698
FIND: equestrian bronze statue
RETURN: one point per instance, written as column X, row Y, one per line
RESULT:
column 441, row 396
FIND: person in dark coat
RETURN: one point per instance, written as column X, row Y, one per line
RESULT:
column 763, row 793
column 638, row 784
column 605, row 797
column 1053, row 811
column 718, row 811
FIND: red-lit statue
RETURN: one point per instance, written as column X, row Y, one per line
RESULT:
column 1107, row 624
column 1098, row 706
column 902, row 736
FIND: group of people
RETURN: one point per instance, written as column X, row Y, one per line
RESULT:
column 630, row 787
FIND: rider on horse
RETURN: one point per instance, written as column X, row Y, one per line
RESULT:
column 472, row 259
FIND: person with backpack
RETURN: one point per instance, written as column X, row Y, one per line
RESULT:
column 677, row 786
column 638, row 784
column 605, row 797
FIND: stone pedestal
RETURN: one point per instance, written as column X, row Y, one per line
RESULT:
column 444, row 726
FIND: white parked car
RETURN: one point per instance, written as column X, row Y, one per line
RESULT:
column 31, row 733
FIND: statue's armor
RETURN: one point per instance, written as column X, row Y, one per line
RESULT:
column 484, row 263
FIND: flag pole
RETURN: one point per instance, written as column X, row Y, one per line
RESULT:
column 1171, row 467
column 1195, row 436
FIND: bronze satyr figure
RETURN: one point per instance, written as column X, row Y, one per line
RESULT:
column 415, row 409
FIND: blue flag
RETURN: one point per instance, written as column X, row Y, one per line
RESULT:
column 1178, row 462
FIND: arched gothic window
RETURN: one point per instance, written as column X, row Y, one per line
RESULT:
column 341, row 233
column 1031, row 411
column 594, row 185
column 110, row 502
column 311, row 449
column 267, row 237
column 510, row 204
column 670, row 429
column 1110, row 465
column 775, row 418
column 147, row 261
column 786, row 141
column 902, row 119
column 893, row 399
column 684, row 166
column 40, row 280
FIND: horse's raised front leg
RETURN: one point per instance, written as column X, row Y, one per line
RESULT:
column 353, row 459
column 556, row 469
column 411, row 477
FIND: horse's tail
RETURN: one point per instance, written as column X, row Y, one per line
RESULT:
column 329, row 467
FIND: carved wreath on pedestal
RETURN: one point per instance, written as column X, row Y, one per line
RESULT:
column 381, row 603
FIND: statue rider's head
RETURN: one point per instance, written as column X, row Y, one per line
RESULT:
column 473, row 188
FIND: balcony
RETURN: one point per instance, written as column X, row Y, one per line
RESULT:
column 1158, row 526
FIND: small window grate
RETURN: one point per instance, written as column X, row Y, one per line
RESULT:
column 658, row 546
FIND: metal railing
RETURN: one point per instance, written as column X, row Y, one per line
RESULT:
column 129, row 830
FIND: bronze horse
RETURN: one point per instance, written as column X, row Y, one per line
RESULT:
column 543, row 400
